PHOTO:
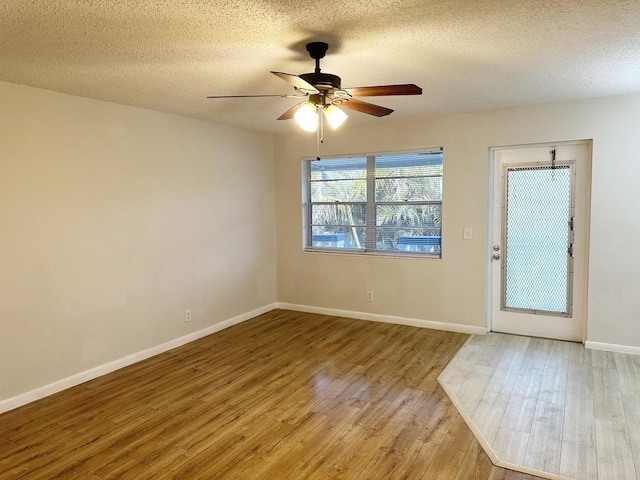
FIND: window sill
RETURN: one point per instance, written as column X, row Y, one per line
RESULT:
column 364, row 253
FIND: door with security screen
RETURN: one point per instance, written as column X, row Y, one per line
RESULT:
column 538, row 255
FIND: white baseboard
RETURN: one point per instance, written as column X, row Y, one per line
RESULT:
column 85, row 376
column 612, row 347
column 374, row 317
column 63, row 384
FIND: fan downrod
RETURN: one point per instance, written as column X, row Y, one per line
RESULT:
column 322, row 81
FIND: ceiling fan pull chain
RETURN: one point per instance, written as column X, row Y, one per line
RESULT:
column 319, row 138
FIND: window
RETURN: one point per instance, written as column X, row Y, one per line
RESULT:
column 390, row 203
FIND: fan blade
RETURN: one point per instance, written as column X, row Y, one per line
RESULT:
column 291, row 112
column 254, row 96
column 297, row 82
column 365, row 107
column 384, row 90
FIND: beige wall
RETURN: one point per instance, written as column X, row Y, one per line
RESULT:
column 114, row 220
column 452, row 289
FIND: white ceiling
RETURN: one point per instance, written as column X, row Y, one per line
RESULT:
column 168, row 55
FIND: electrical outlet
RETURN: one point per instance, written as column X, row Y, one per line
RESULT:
column 369, row 296
column 187, row 316
column 467, row 233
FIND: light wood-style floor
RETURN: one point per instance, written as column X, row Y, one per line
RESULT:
column 284, row 396
column 551, row 406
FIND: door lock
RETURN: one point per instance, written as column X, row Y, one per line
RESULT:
column 496, row 247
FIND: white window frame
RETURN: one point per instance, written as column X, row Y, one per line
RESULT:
column 370, row 208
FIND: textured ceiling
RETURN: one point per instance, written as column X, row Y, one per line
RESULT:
column 168, row 55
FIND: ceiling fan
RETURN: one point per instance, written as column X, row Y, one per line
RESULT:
column 323, row 92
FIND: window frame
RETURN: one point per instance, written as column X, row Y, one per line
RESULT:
column 370, row 205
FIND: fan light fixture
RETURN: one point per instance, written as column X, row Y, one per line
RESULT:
column 335, row 116
column 307, row 116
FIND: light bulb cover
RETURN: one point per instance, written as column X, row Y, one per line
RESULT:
column 334, row 116
column 307, row 117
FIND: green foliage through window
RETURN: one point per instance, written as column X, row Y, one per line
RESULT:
column 376, row 203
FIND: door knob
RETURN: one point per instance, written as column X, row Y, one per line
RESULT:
column 496, row 256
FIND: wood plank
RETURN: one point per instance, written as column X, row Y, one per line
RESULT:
column 489, row 414
column 363, row 449
column 415, row 461
column 475, row 465
column 615, row 458
column 569, row 411
column 511, row 445
column 607, row 396
column 284, row 395
column 579, row 461
column 627, row 367
column 579, row 410
column 447, row 460
column 553, row 388
column 544, row 446
column 473, row 389
column 632, row 414
column 438, row 425
column 519, row 413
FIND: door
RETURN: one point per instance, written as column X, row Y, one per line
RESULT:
column 538, row 252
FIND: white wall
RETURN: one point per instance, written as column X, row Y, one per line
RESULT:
column 452, row 290
column 114, row 220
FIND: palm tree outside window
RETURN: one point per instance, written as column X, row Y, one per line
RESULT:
column 385, row 204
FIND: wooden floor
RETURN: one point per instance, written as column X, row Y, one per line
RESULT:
column 284, row 396
column 551, row 407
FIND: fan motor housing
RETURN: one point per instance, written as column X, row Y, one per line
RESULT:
column 322, row 81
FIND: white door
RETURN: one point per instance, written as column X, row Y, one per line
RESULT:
column 538, row 253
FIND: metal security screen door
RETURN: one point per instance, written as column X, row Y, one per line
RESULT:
column 538, row 254
column 537, row 219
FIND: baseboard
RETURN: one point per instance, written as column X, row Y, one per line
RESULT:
column 612, row 347
column 374, row 317
column 85, row 376
column 72, row 381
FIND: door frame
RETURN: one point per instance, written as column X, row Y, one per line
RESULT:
column 491, row 197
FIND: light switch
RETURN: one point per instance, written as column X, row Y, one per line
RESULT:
column 467, row 233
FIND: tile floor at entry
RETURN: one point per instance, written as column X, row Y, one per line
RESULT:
column 550, row 408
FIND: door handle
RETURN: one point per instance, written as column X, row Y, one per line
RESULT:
column 496, row 256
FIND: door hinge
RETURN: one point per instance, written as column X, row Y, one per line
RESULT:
column 571, row 224
column 570, row 251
